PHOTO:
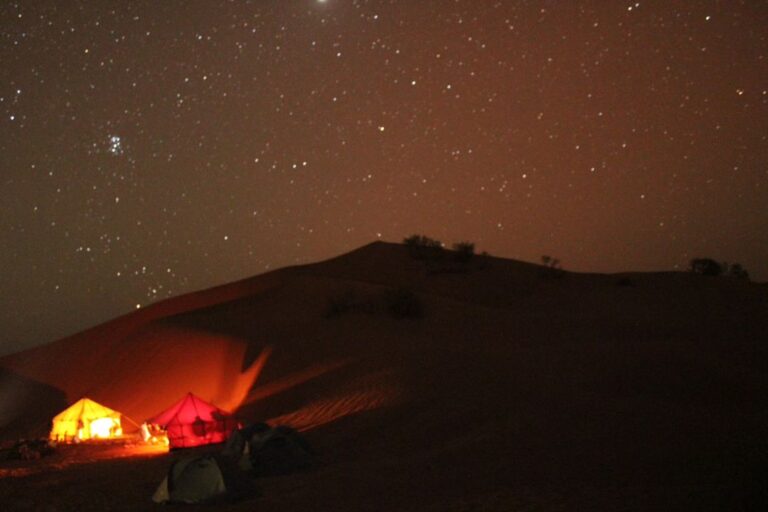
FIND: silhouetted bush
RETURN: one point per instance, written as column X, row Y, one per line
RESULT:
column 403, row 303
column 551, row 267
column 710, row 267
column 464, row 251
column 624, row 282
column 421, row 241
column 705, row 267
column 738, row 272
column 482, row 260
column 424, row 248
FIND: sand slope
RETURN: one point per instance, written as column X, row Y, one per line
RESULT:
column 514, row 391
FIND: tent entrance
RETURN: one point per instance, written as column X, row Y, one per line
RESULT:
column 154, row 434
column 106, row 428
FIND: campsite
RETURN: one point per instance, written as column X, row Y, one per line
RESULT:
column 406, row 382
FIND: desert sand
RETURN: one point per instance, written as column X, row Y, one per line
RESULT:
column 514, row 389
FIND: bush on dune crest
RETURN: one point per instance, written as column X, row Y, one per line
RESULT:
column 422, row 247
column 710, row 267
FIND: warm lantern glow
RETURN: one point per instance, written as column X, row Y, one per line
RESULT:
column 105, row 428
column 154, row 435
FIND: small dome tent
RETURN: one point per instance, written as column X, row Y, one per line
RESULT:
column 281, row 451
column 192, row 422
column 191, row 480
column 239, row 440
column 268, row 451
column 86, row 419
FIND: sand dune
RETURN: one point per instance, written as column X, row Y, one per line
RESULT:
column 515, row 390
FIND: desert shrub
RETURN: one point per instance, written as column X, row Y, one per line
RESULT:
column 424, row 248
column 464, row 251
column 549, row 261
column 737, row 271
column 412, row 241
column 481, row 261
column 705, row 267
column 551, row 267
column 711, row 267
column 403, row 303
column 421, row 241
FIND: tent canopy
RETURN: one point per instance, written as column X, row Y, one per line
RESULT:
column 188, row 410
column 86, row 419
column 194, row 422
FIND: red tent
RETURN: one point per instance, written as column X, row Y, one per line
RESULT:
column 193, row 422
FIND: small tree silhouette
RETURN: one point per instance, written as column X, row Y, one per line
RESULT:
column 738, row 272
column 552, row 267
column 424, row 248
column 412, row 241
column 705, row 267
column 464, row 251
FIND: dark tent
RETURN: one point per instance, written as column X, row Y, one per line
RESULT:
column 278, row 451
column 238, row 441
column 191, row 480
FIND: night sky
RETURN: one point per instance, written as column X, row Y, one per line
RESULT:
column 153, row 148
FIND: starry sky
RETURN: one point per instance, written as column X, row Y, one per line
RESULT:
column 148, row 149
